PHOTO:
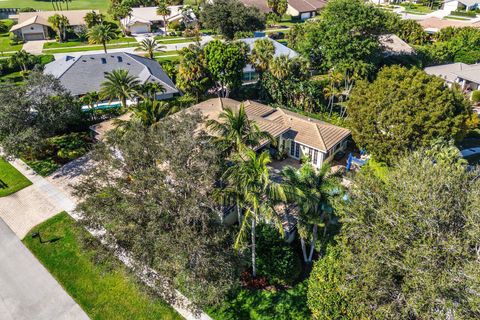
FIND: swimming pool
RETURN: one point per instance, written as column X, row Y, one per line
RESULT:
column 103, row 106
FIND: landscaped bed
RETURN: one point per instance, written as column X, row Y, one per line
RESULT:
column 11, row 180
column 99, row 283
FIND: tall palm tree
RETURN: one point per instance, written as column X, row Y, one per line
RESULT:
column 93, row 18
column 149, row 45
column 59, row 24
column 249, row 176
column 120, row 85
column 314, row 200
column 280, row 67
column 164, row 11
column 149, row 90
column 91, row 99
column 262, row 52
column 22, row 59
column 234, row 131
column 101, row 34
column 150, row 112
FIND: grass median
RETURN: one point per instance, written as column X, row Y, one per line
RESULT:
column 11, row 180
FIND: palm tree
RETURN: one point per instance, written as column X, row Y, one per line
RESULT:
column 280, row 67
column 149, row 45
column 92, row 19
column 120, row 85
column 149, row 90
column 59, row 24
column 150, row 112
column 262, row 52
column 313, row 199
column 101, row 34
column 91, row 99
column 249, row 177
column 234, row 131
column 22, row 59
column 164, row 11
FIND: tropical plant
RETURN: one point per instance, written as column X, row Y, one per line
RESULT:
column 59, row 24
column 193, row 77
column 262, row 52
column 249, row 176
column 234, row 132
column 101, row 34
column 280, row 67
column 150, row 112
column 164, row 11
column 118, row 11
column 23, row 60
column 150, row 46
column 93, row 18
column 149, row 90
column 278, row 7
column 91, row 99
column 314, row 201
column 120, row 85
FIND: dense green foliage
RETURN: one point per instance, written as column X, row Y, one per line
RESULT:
column 408, row 248
column 404, row 109
column 230, row 16
column 11, row 180
column 97, row 281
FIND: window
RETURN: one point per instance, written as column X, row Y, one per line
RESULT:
column 292, row 148
column 310, row 154
column 104, row 61
column 283, row 144
column 315, row 157
column 297, row 150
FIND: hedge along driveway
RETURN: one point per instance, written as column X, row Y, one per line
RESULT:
column 11, row 180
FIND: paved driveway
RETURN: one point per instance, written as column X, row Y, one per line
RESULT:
column 34, row 47
column 27, row 290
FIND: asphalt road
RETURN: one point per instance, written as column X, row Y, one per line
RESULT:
column 27, row 290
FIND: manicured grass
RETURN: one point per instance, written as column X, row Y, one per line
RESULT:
column 47, row 5
column 163, row 40
column 164, row 59
column 89, row 48
column 104, row 289
column 166, row 53
column 5, row 45
column 77, row 43
column 456, row 18
column 11, row 180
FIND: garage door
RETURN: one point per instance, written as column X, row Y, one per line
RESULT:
column 139, row 28
column 33, row 36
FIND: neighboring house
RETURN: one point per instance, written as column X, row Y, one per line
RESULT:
column 467, row 5
column 432, row 25
column 466, row 75
column 249, row 73
column 262, row 5
column 86, row 73
column 146, row 19
column 297, row 135
column 394, row 46
column 35, row 25
column 305, row 9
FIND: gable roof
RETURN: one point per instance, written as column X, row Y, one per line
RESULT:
column 450, row 72
column 262, row 5
column 277, row 121
column 148, row 15
column 280, row 49
column 86, row 73
column 75, row 17
column 393, row 45
column 307, row 5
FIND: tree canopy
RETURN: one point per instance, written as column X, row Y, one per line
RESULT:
column 408, row 248
column 404, row 109
column 230, row 16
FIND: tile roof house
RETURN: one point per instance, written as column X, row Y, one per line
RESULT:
column 85, row 73
column 146, row 20
column 35, row 25
column 298, row 135
column 249, row 73
column 393, row 45
column 434, row 24
column 305, row 9
column 466, row 75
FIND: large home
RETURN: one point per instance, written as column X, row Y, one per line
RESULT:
column 249, row 73
column 467, row 5
column 86, row 73
column 467, row 76
column 296, row 135
column 35, row 25
column 433, row 24
column 305, row 9
column 146, row 20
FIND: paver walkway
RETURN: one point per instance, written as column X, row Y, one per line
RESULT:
column 34, row 47
column 27, row 290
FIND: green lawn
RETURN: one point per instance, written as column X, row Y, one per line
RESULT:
column 105, row 290
column 88, row 48
column 5, row 44
column 47, row 5
column 456, row 18
column 163, row 40
column 11, row 180
column 76, row 43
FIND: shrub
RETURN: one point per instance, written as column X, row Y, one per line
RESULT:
column 470, row 14
column 476, row 96
column 27, row 9
column 69, row 146
column 3, row 27
column 276, row 259
column 243, row 34
column 14, row 39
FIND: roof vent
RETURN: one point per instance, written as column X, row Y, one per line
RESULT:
column 119, row 59
column 84, row 60
column 104, row 61
column 128, row 63
column 68, row 58
column 92, row 58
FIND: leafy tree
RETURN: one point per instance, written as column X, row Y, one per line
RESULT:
column 193, row 77
column 408, row 247
column 230, row 16
column 118, row 11
column 344, row 37
column 150, row 46
column 119, row 84
column 22, row 60
column 405, row 109
column 59, row 24
column 278, row 7
column 34, row 111
column 412, row 32
column 155, row 201
column 101, row 34
column 93, row 18
column 164, row 11
column 225, row 63
column 314, row 201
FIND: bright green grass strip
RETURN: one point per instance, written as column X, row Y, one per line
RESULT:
column 172, row 59
column 89, row 48
column 161, row 40
column 166, row 53
column 76, row 43
column 47, row 5
column 456, row 18
column 105, row 290
column 11, row 180
column 5, row 44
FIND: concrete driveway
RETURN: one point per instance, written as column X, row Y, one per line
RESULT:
column 34, row 47
column 27, row 290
